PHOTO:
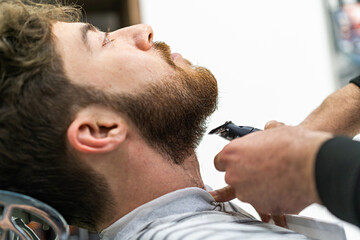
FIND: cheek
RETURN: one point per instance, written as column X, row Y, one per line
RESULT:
column 141, row 68
column 127, row 71
column 119, row 76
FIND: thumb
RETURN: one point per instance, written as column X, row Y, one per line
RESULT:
column 224, row 194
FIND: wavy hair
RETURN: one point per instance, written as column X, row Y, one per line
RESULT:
column 35, row 96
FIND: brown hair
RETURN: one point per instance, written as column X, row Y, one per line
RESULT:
column 38, row 103
column 35, row 96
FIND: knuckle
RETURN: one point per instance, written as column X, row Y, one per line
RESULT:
column 271, row 124
column 233, row 148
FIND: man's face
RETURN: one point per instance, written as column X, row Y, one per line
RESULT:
column 121, row 61
column 162, row 93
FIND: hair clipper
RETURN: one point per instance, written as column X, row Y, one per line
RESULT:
column 231, row 131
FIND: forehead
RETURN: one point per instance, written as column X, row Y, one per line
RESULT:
column 60, row 28
column 69, row 44
column 64, row 32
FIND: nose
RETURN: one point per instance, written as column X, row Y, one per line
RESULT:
column 142, row 35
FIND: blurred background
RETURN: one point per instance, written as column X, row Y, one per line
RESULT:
column 273, row 59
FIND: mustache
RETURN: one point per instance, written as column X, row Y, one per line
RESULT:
column 165, row 52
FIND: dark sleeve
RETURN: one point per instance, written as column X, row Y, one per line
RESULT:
column 356, row 81
column 337, row 173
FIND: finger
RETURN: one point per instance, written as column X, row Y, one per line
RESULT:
column 273, row 124
column 265, row 217
column 280, row 220
column 218, row 163
column 224, row 194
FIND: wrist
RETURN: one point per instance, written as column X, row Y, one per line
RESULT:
column 318, row 139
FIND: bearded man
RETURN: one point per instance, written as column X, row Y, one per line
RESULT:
column 103, row 126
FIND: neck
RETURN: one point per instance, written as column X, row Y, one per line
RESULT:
column 140, row 174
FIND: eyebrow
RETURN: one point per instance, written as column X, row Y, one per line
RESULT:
column 84, row 33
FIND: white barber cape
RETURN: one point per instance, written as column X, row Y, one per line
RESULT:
column 192, row 214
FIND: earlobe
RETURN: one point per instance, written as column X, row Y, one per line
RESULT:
column 96, row 133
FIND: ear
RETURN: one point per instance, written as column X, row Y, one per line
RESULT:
column 96, row 130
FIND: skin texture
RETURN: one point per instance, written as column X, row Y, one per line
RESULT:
column 125, row 61
column 166, row 97
column 274, row 169
column 259, row 175
column 339, row 113
column 105, row 66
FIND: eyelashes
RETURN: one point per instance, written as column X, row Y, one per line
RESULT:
column 106, row 38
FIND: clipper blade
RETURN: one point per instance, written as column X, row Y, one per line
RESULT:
column 231, row 131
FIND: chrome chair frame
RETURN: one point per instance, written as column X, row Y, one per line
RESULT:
column 16, row 211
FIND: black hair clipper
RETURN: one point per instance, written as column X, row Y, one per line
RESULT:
column 231, row 131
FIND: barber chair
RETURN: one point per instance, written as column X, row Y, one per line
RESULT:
column 17, row 210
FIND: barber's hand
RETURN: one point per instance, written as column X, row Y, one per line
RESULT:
column 273, row 169
column 224, row 194
column 228, row 193
column 279, row 220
